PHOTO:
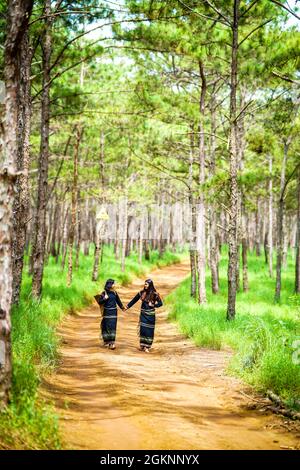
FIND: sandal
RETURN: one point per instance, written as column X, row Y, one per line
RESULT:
column 112, row 346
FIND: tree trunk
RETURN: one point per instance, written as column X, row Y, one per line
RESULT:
column 65, row 239
column 270, row 227
column 40, row 217
column 117, row 240
column 18, row 15
column 233, row 138
column 193, row 250
column 193, row 210
column 147, row 244
column 124, row 233
column 78, row 243
column 244, row 250
column 285, row 241
column 201, row 240
column 280, row 228
column 22, row 197
column 97, row 254
column 74, row 207
column 54, row 244
column 279, row 248
column 213, row 231
column 257, row 227
column 141, row 239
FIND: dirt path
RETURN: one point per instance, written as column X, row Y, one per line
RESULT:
column 177, row 397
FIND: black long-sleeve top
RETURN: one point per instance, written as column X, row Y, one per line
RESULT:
column 145, row 305
column 112, row 301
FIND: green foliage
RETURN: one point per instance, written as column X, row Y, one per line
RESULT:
column 262, row 334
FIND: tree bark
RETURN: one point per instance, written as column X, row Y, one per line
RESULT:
column 54, row 244
column 270, row 226
column 233, row 139
column 257, row 227
column 65, row 240
column 201, row 239
column 147, row 244
column 22, row 197
column 40, row 217
column 79, row 231
column 280, row 228
column 193, row 211
column 213, row 232
column 244, row 250
column 74, row 207
column 18, row 15
column 141, row 239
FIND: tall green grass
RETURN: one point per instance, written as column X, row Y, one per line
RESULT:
column 29, row 422
column 263, row 335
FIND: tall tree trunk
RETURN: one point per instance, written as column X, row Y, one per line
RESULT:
column 270, row 226
column 18, row 15
column 280, row 218
column 117, row 240
column 257, row 227
column 147, row 244
column 54, row 244
column 233, row 139
column 65, row 239
column 279, row 248
column 201, row 240
column 124, row 226
column 141, row 239
column 285, row 241
column 213, row 232
column 244, row 250
column 79, row 232
column 102, row 164
column 193, row 210
column 97, row 254
column 22, row 197
column 40, row 217
column 74, row 206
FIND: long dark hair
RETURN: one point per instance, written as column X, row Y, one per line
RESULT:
column 150, row 294
column 109, row 284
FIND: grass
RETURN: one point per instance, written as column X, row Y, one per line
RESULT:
column 29, row 422
column 264, row 334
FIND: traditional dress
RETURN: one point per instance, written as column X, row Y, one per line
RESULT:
column 147, row 318
column 110, row 317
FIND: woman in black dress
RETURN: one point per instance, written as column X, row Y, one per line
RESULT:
column 108, row 300
column 150, row 300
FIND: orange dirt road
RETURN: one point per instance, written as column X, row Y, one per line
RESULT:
column 176, row 397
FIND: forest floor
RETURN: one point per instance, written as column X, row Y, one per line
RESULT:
column 177, row 397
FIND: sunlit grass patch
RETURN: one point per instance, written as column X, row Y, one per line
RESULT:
column 263, row 333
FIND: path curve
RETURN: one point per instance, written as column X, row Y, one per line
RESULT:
column 177, row 397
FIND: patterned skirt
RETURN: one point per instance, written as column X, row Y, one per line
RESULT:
column 147, row 326
column 109, row 325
